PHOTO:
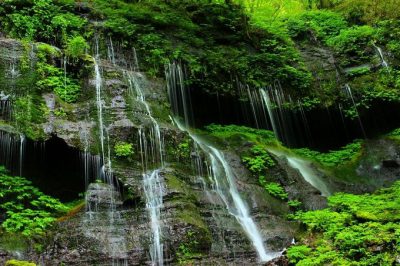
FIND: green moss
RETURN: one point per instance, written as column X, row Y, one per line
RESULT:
column 185, row 202
column 29, row 113
column 13, row 242
column 175, row 183
column 19, row 263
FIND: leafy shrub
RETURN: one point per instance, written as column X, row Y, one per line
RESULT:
column 295, row 204
column 188, row 248
column 28, row 210
column 52, row 78
column 354, row 230
column 273, row 188
column 123, row 149
column 42, row 20
column 353, row 42
column 258, row 159
column 297, row 253
column 76, row 47
column 388, row 32
column 183, row 150
column 333, row 158
column 322, row 24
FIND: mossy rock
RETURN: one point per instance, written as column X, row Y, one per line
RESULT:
column 19, row 263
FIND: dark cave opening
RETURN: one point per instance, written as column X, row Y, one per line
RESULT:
column 326, row 128
column 54, row 167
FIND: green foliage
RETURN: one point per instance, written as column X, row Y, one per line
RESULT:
column 76, row 47
column 52, row 78
column 388, row 32
column 395, row 134
column 28, row 210
column 188, row 249
column 368, row 11
column 19, row 263
column 320, row 24
column 258, row 159
column 354, row 42
column 358, row 71
column 29, row 112
column 183, row 150
column 354, row 230
column 214, row 40
column 226, row 132
column 274, row 189
column 123, row 149
column 345, row 155
column 297, row 253
column 43, row 20
column 295, row 204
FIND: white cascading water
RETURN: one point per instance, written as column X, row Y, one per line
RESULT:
column 350, row 94
column 152, row 181
column 21, row 152
column 221, row 173
column 309, row 175
column 135, row 85
column 306, row 171
column 268, row 104
column 380, row 53
column 153, row 187
column 102, row 217
column 224, row 184
column 99, row 103
column 110, row 51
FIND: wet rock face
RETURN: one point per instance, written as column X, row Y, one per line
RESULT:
column 115, row 228
column 380, row 164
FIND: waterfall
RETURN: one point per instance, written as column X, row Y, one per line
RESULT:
column 350, row 94
column 153, row 183
column 220, row 172
column 134, row 84
column 5, row 106
column 135, row 60
column 224, row 183
column 103, row 218
column 99, row 103
column 110, row 51
column 8, row 150
column 380, row 53
column 153, row 188
column 307, row 172
column 267, row 102
column 21, row 152
column 177, row 92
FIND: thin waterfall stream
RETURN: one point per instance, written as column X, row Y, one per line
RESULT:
column 306, row 170
column 102, row 200
column 225, row 185
column 153, row 183
column 221, row 173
